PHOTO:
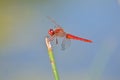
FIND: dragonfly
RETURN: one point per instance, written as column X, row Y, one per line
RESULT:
column 58, row 31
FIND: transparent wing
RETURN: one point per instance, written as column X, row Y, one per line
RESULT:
column 52, row 20
column 54, row 42
column 65, row 43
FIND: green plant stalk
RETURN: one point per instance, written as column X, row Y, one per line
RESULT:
column 52, row 59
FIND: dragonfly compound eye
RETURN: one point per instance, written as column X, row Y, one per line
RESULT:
column 51, row 32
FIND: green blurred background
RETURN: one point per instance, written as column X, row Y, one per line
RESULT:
column 24, row 25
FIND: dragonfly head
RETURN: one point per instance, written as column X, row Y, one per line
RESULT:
column 51, row 32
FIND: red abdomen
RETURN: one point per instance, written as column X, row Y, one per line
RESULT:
column 69, row 36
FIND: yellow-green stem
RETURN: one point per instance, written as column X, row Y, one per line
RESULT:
column 52, row 59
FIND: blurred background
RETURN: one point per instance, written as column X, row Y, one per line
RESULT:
column 24, row 25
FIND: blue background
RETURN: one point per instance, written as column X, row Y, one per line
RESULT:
column 24, row 25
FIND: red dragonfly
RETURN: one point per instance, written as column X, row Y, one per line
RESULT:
column 59, row 32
